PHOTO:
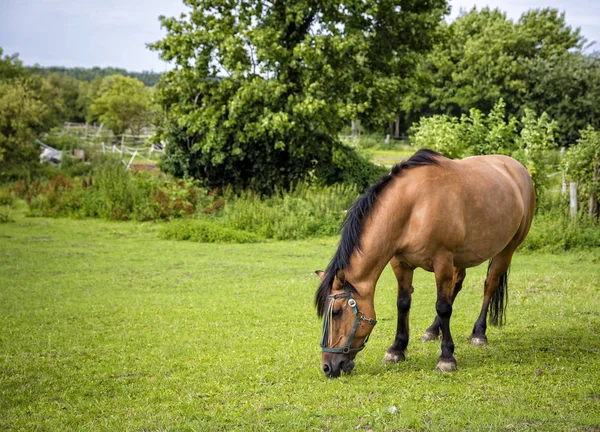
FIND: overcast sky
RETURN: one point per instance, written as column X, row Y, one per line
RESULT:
column 88, row 33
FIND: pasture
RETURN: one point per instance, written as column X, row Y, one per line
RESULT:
column 106, row 327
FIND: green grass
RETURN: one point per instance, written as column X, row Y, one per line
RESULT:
column 106, row 327
column 390, row 157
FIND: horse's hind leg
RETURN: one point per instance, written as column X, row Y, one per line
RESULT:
column 433, row 331
column 404, row 275
column 494, row 294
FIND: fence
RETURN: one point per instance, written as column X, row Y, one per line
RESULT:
column 96, row 138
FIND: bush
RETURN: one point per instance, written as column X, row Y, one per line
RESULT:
column 113, row 193
column 7, row 197
column 205, row 232
column 5, row 217
column 303, row 211
column 555, row 232
column 528, row 140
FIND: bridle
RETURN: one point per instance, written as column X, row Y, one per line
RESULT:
column 328, row 319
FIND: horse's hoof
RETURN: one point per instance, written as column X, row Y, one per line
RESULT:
column 429, row 337
column 393, row 357
column 446, row 365
column 479, row 340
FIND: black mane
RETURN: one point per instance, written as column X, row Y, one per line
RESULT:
column 352, row 226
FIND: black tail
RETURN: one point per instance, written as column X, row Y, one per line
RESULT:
column 499, row 301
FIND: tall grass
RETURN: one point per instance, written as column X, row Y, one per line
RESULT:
column 555, row 232
column 302, row 212
column 111, row 192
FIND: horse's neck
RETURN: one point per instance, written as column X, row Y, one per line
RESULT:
column 368, row 263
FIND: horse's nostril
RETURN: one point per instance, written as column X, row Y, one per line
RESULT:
column 326, row 368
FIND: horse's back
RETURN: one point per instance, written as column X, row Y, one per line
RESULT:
column 473, row 207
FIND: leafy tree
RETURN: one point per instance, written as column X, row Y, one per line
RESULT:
column 21, row 114
column 567, row 87
column 68, row 90
column 582, row 164
column 123, row 103
column 483, row 57
column 10, row 67
column 260, row 90
column 149, row 78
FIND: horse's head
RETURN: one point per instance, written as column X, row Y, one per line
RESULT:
column 347, row 323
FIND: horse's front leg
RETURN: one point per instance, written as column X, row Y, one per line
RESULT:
column 443, row 269
column 404, row 275
column 433, row 331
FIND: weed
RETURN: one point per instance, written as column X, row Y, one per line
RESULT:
column 204, row 232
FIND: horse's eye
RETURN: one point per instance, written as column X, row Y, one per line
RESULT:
column 336, row 313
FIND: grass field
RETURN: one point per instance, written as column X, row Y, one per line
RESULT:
column 106, row 327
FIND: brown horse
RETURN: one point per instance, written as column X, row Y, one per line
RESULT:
column 430, row 212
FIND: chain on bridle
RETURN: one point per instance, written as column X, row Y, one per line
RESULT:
column 328, row 320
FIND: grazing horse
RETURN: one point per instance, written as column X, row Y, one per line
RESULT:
column 438, row 214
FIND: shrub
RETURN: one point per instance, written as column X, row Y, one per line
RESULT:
column 5, row 217
column 528, row 140
column 555, row 232
column 7, row 197
column 113, row 193
column 203, row 231
column 303, row 211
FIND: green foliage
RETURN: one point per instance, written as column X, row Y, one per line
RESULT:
column 528, row 140
column 68, row 90
column 113, row 193
column 556, row 232
column 123, row 104
column 440, row 133
column 202, row 231
column 537, row 137
column 302, row 212
column 294, row 74
column 483, row 56
column 149, row 78
column 582, row 164
column 567, row 87
column 20, row 119
column 11, row 67
column 5, row 216
column 7, row 197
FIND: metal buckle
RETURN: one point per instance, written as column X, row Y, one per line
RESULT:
column 352, row 303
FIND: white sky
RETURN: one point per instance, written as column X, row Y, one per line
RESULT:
column 88, row 33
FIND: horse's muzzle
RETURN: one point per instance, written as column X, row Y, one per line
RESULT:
column 334, row 364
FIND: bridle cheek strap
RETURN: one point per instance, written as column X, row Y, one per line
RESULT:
column 346, row 349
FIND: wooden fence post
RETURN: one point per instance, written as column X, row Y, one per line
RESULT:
column 573, row 198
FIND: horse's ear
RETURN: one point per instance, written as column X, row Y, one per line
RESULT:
column 321, row 274
column 340, row 276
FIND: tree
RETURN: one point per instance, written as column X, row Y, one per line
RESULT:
column 261, row 90
column 483, row 56
column 582, row 164
column 123, row 103
column 149, row 78
column 10, row 67
column 567, row 87
column 21, row 114
column 67, row 90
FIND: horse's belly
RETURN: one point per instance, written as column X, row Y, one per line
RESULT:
column 467, row 260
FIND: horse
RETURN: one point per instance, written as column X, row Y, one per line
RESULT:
column 438, row 214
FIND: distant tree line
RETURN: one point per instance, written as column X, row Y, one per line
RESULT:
column 33, row 103
column 537, row 62
column 149, row 78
